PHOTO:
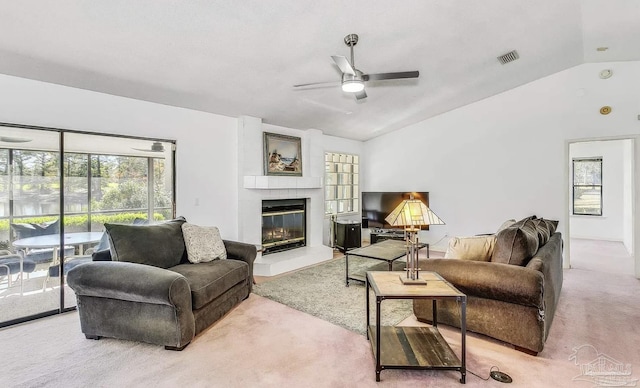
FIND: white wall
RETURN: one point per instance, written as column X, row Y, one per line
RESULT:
column 627, row 211
column 506, row 156
column 206, row 143
column 609, row 226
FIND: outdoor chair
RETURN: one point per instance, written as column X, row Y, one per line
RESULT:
column 71, row 262
column 10, row 265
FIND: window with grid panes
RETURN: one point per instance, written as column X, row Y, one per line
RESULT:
column 341, row 178
column 587, row 186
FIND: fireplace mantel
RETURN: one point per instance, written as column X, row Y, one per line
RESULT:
column 281, row 182
column 254, row 186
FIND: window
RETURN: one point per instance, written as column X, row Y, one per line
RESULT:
column 70, row 182
column 341, row 190
column 587, row 186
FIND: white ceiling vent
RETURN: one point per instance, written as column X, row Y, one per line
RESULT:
column 508, row 57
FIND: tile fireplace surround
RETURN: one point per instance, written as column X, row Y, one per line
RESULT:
column 280, row 262
column 254, row 187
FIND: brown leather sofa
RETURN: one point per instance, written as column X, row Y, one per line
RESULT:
column 511, row 298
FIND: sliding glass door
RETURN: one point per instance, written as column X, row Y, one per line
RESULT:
column 57, row 190
column 30, row 220
column 112, row 180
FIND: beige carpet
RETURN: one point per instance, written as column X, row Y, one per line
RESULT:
column 262, row 343
column 266, row 344
column 602, row 256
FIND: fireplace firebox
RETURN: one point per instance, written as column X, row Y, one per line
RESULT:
column 283, row 225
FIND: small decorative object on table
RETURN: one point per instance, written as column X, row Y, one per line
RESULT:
column 412, row 213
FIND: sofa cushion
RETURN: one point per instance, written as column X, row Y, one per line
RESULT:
column 103, row 244
column 203, row 243
column 212, row 279
column 552, row 225
column 506, row 224
column 516, row 244
column 160, row 245
column 543, row 231
column 478, row 248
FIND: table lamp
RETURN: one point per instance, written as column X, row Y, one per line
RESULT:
column 412, row 213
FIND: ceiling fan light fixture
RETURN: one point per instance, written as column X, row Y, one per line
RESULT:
column 352, row 83
column 352, row 86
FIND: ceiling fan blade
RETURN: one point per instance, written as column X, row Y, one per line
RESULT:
column 318, row 84
column 343, row 64
column 11, row 139
column 361, row 95
column 384, row 76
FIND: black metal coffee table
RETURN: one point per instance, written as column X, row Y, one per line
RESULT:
column 387, row 250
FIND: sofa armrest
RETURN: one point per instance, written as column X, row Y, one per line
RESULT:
column 131, row 282
column 504, row 282
column 241, row 251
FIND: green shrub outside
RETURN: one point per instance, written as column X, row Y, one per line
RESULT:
column 80, row 220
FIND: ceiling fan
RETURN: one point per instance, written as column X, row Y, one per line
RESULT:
column 353, row 79
column 155, row 147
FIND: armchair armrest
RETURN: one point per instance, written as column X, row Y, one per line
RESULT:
column 241, row 251
column 504, row 282
column 131, row 282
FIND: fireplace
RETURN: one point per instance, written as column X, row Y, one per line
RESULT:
column 283, row 225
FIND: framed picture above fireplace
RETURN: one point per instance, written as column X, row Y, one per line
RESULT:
column 282, row 155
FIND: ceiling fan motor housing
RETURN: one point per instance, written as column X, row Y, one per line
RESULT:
column 357, row 77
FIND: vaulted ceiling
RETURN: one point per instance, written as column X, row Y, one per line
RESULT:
column 234, row 57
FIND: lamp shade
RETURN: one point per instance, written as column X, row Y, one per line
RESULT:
column 413, row 212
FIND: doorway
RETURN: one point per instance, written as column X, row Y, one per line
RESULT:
column 601, row 205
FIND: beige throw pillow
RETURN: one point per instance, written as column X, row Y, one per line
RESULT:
column 203, row 243
column 477, row 248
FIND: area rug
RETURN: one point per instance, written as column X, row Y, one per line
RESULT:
column 320, row 291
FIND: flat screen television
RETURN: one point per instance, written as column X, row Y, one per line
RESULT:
column 376, row 206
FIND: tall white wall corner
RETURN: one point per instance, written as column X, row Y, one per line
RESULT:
column 249, row 143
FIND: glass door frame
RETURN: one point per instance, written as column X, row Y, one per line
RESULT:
column 61, row 177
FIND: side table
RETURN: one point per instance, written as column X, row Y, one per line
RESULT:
column 414, row 347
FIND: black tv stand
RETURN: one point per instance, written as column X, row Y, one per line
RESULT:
column 378, row 235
